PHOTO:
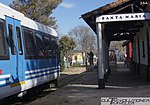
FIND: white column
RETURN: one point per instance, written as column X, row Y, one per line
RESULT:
column 101, row 79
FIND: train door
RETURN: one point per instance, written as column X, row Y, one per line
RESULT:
column 14, row 34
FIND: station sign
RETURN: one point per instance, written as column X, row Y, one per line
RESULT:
column 123, row 17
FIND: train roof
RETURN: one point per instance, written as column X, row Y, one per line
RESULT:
column 7, row 11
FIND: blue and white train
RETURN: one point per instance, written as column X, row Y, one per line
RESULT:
column 28, row 53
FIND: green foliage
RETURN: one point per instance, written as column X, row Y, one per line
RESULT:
column 38, row 10
column 62, row 62
column 66, row 44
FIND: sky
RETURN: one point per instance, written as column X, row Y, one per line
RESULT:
column 68, row 13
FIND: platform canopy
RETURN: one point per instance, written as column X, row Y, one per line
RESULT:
column 121, row 19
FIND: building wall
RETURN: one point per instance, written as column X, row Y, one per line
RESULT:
column 79, row 57
column 140, row 53
column 143, row 45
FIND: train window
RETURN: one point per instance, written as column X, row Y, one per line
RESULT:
column 12, row 45
column 3, row 44
column 29, row 42
column 47, row 46
column 53, row 47
column 19, row 40
column 40, row 44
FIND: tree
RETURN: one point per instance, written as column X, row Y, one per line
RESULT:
column 38, row 10
column 84, row 37
column 66, row 44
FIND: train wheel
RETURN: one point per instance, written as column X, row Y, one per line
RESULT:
column 34, row 91
column 56, row 83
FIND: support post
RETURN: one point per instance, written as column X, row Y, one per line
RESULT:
column 101, row 79
column 108, row 66
column 106, row 57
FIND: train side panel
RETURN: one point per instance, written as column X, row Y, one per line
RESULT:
column 43, row 72
column 11, row 75
column 28, row 53
column 41, row 64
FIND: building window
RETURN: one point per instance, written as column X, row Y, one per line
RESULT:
column 143, row 46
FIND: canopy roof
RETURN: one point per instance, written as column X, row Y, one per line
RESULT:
column 118, row 30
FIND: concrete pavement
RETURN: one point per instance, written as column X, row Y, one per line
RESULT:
column 84, row 90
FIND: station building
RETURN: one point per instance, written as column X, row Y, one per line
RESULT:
column 122, row 20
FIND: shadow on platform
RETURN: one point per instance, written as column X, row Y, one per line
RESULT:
column 120, row 77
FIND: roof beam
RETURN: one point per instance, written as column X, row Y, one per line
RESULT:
column 121, row 37
column 118, row 10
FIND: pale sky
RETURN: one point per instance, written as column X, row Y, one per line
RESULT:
column 68, row 13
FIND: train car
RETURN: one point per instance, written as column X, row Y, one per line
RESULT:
column 28, row 53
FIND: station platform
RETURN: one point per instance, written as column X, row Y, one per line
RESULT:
column 84, row 89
